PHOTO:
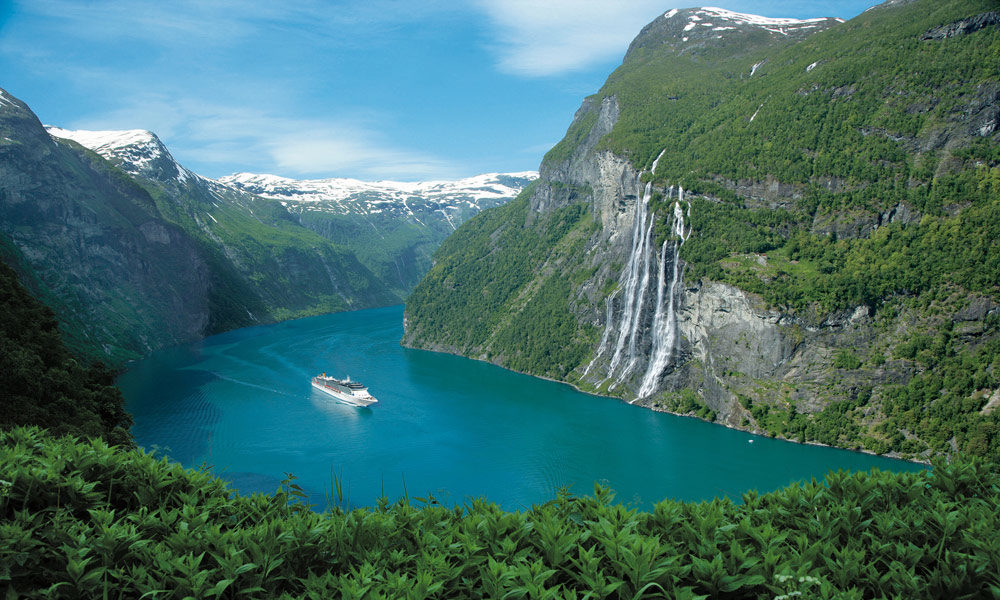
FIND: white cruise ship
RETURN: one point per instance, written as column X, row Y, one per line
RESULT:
column 344, row 390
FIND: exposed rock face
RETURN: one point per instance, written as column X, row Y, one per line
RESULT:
column 693, row 28
column 265, row 266
column 96, row 244
column 964, row 26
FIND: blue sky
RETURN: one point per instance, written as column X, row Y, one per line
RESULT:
column 371, row 89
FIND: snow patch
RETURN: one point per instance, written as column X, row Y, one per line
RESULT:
column 721, row 13
column 812, row 66
column 754, row 68
column 5, row 100
column 136, row 148
column 103, row 142
column 690, row 26
column 670, row 13
column 352, row 196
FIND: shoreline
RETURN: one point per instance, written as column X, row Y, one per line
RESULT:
column 925, row 462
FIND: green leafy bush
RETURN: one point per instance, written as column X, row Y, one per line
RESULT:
column 82, row 520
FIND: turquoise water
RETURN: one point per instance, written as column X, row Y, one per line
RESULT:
column 242, row 403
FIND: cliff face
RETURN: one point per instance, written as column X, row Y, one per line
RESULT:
column 94, row 244
column 752, row 227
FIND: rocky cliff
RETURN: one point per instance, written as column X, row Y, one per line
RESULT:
column 774, row 225
column 93, row 244
column 264, row 265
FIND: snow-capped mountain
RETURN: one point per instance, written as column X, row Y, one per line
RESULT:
column 135, row 151
column 450, row 201
column 693, row 27
column 265, row 262
column 392, row 227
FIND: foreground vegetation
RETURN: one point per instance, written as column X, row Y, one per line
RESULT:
column 80, row 519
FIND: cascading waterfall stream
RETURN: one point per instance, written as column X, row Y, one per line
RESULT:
column 665, row 321
column 646, row 259
column 636, row 263
column 608, row 325
column 635, row 281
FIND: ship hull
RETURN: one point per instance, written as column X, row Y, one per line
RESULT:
column 345, row 398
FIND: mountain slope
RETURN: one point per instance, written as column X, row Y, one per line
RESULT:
column 91, row 243
column 786, row 233
column 393, row 227
column 265, row 266
column 42, row 384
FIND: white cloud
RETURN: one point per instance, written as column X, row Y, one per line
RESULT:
column 220, row 139
column 557, row 36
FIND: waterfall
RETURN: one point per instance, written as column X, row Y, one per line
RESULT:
column 646, row 259
column 636, row 263
column 608, row 326
column 634, row 282
column 665, row 320
column 652, row 170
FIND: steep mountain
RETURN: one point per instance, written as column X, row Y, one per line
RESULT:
column 135, row 252
column 264, row 265
column 93, row 245
column 42, row 383
column 784, row 226
column 393, row 227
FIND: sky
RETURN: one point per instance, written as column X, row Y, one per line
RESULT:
column 370, row 89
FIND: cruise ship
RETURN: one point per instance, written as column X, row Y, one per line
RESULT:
column 344, row 390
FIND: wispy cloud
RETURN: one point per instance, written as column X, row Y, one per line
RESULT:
column 557, row 36
column 224, row 22
column 263, row 141
column 186, row 76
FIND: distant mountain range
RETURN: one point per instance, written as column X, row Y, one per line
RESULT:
column 135, row 252
column 394, row 227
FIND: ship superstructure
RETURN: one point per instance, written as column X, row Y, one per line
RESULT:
column 345, row 390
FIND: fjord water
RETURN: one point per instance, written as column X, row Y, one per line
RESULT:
column 242, row 403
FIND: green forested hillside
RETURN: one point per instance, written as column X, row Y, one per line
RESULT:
column 489, row 263
column 42, row 383
column 80, row 519
column 265, row 266
column 884, row 117
column 848, row 184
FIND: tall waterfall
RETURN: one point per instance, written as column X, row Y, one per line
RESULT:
column 665, row 321
column 637, row 264
column 629, row 333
